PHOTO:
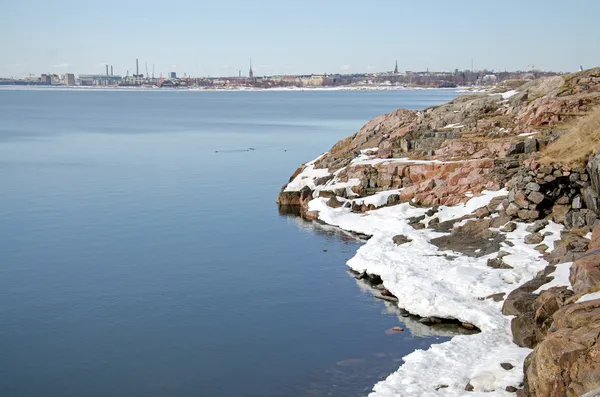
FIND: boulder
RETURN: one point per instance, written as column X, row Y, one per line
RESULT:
column 566, row 362
column 585, row 272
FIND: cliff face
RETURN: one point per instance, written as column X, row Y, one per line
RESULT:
column 445, row 155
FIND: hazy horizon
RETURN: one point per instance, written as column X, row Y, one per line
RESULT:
column 218, row 39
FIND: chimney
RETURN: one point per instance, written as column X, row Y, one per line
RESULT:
column 137, row 68
column 107, row 70
column 111, row 70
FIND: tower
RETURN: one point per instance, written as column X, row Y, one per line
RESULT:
column 396, row 68
column 250, row 72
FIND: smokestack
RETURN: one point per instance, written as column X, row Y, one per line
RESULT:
column 137, row 67
column 107, row 70
column 111, row 70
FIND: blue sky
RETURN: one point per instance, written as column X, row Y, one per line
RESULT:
column 219, row 37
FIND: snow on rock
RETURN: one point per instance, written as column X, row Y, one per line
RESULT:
column 447, row 213
column 561, row 277
column 427, row 283
column 508, row 94
column 377, row 199
column 308, row 176
column 528, row 134
column 452, row 126
column 589, row 297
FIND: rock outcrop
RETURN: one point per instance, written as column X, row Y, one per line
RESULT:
column 443, row 156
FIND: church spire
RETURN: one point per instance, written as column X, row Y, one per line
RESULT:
column 396, row 68
column 250, row 72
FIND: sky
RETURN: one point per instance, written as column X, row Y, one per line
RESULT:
column 218, row 38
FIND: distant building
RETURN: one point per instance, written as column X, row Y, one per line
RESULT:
column 46, row 79
column 173, row 75
column 396, row 68
column 98, row 80
column 250, row 72
column 70, row 79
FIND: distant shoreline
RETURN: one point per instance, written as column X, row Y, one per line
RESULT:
column 236, row 89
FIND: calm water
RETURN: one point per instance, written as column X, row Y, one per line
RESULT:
column 137, row 261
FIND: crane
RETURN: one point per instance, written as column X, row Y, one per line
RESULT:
column 152, row 71
column 146, row 69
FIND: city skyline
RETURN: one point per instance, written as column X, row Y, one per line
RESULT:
column 217, row 39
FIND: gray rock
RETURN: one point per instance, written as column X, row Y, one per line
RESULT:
column 531, row 145
column 393, row 199
column 534, row 187
column 574, row 177
column 430, row 320
column 535, row 197
column 577, row 203
column 401, row 239
column 507, row 366
column 516, row 148
column 575, row 220
column 537, row 226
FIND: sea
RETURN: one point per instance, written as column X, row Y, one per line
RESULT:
column 142, row 252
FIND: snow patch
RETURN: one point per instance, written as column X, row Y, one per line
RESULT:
column 589, row 297
column 508, row 94
column 528, row 133
column 308, row 176
column 447, row 213
column 561, row 277
column 377, row 199
column 429, row 283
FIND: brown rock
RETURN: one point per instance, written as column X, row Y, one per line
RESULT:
column 512, row 209
column 521, row 200
column 585, row 272
column 509, row 227
column 482, row 212
column 500, row 221
column 566, row 362
column 559, row 212
column 498, row 263
column 469, row 326
column 334, row 203
column 529, row 214
column 533, row 238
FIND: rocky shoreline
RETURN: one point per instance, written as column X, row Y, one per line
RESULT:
column 471, row 220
